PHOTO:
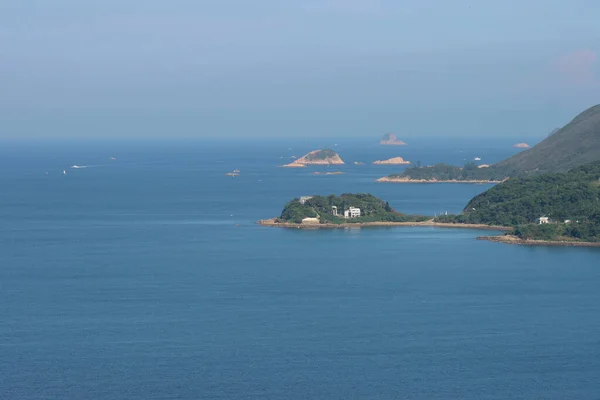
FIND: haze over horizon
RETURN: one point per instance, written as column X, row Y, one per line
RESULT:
column 355, row 68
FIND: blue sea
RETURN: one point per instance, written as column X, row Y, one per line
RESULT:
column 146, row 277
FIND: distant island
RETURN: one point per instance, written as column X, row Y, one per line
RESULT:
column 395, row 160
column 469, row 173
column 328, row 173
column 389, row 139
column 574, row 145
column 317, row 157
column 521, row 145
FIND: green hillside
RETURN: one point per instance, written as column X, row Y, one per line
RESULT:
column 372, row 209
column 577, row 143
column 519, row 202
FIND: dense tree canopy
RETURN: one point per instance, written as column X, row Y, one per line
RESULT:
column 573, row 196
column 372, row 209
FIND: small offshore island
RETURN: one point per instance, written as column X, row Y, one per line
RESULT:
column 389, row 139
column 317, row 157
column 392, row 161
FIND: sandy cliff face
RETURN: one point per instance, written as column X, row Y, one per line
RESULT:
column 395, row 160
column 317, row 157
column 391, row 140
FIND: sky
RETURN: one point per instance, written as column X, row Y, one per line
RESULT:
column 310, row 68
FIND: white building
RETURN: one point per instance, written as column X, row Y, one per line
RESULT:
column 334, row 211
column 543, row 220
column 352, row 212
column 304, row 199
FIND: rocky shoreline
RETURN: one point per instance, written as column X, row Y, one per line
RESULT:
column 275, row 222
column 511, row 239
column 387, row 179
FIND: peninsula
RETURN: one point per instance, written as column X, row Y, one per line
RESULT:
column 393, row 161
column 549, row 209
column 317, row 157
column 339, row 211
column 389, row 139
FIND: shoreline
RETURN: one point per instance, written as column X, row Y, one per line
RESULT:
column 511, row 239
column 387, row 179
column 274, row 223
column 506, row 239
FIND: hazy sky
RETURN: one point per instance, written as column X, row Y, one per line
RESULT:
column 264, row 68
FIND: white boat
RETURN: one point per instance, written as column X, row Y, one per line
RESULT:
column 477, row 159
column 78, row 166
column 64, row 171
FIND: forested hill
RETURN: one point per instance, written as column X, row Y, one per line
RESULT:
column 573, row 196
column 372, row 209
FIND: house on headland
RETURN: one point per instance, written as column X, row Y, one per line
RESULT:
column 352, row 212
column 543, row 220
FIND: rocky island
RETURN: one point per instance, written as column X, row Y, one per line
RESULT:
column 389, row 139
column 317, row 157
column 521, row 145
column 392, row 161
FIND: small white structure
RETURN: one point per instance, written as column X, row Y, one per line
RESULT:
column 310, row 221
column 352, row 212
column 334, row 211
column 304, row 199
column 567, row 221
column 543, row 220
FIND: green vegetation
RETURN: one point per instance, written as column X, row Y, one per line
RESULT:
column 518, row 203
column 321, row 155
column 576, row 144
column 372, row 210
column 447, row 172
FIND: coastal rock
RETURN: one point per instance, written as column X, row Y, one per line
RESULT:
column 395, row 161
column 317, row 157
column 521, row 145
column 390, row 139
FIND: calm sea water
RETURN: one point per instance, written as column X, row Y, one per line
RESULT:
column 145, row 277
